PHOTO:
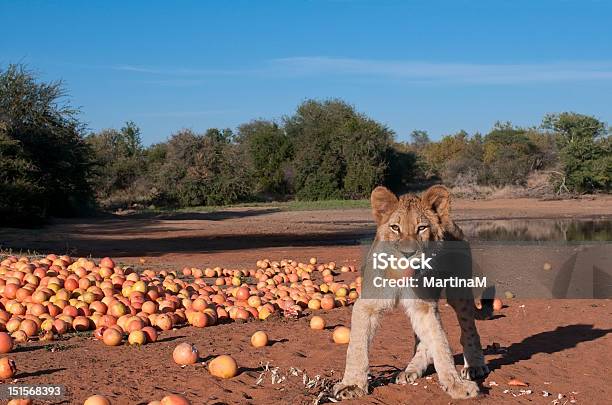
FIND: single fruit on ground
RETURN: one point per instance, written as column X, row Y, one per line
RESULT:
column 316, row 322
column 259, row 339
column 7, row 368
column 97, row 400
column 174, row 400
column 151, row 333
column 21, row 401
column 223, row 367
column 185, row 354
column 6, row 343
column 137, row 337
column 112, row 337
column 497, row 304
column 341, row 335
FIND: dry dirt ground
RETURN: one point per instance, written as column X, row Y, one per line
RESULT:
column 556, row 346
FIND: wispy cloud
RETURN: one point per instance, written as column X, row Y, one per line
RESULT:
column 186, row 72
column 451, row 72
column 412, row 71
column 185, row 113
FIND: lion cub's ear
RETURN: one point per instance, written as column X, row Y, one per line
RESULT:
column 438, row 199
column 384, row 202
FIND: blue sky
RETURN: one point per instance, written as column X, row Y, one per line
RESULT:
column 440, row 66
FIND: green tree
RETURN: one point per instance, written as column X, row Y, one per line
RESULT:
column 21, row 197
column 130, row 136
column 41, row 134
column 404, row 167
column 585, row 150
column 338, row 152
column 419, row 139
column 120, row 164
column 269, row 151
column 508, row 156
column 203, row 169
column 466, row 165
column 437, row 155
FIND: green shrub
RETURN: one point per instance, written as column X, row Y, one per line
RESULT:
column 269, row 152
column 337, row 152
column 204, row 169
column 45, row 162
column 119, row 166
column 585, row 150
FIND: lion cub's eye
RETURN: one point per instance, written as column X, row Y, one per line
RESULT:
column 421, row 228
column 395, row 228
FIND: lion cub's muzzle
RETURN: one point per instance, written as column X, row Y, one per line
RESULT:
column 408, row 248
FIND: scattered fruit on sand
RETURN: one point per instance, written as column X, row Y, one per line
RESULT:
column 259, row 339
column 7, row 368
column 6, row 343
column 55, row 295
column 316, row 322
column 174, row 399
column 137, row 337
column 223, row 366
column 185, row 354
column 517, row 383
column 21, row 401
column 112, row 337
column 341, row 335
column 97, row 400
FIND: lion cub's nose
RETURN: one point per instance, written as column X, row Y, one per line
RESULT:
column 408, row 248
column 408, row 253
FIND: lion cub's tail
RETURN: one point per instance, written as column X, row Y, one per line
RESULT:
column 486, row 304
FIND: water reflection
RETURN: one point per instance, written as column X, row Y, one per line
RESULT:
column 538, row 230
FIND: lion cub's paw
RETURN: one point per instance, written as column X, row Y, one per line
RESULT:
column 474, row 373
column 462, row 389
column 407, row 376
column 342, row 391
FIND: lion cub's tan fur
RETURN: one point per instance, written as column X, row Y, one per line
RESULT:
column 405, row 219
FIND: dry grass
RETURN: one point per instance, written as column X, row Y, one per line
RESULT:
column 538, row 186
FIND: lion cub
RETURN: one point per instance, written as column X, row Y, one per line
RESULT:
column 416, row 220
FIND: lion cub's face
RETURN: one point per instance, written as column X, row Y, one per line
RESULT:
column 412, row 218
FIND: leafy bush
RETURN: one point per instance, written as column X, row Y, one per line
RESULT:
column 454, row 155
column 269, row 152
column 119, row 166
column 504, row 156
column 585, row 150
column 404, row 166
column 338, row 153
column 44, row 159
column 204, row 169
column 508, row 156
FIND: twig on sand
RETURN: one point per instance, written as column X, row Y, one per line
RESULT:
column 322, row 385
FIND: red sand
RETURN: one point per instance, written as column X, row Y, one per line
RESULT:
column 558, row 346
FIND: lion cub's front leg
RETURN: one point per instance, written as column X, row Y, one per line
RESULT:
column 475, row 366
column 426, row 323
column 417, row 366
column 364, row 321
